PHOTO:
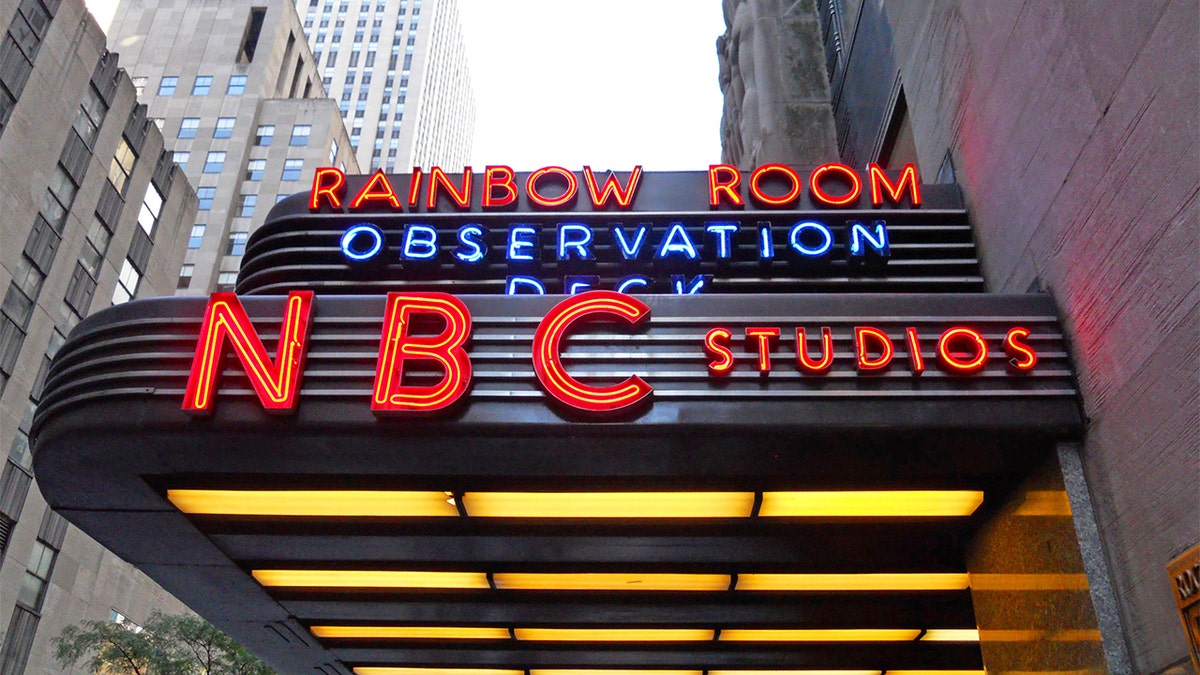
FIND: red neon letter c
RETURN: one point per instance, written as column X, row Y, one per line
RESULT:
column 547, row 362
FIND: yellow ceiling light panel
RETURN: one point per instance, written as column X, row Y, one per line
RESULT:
column 819, row 634
column 370, row 579
column 410, row 632
column 392, row 670
column 328, row 503
column 936, row 672
column 599, row 671
column 601, row 581
column 615, row 634
column 947, row 581
column 871, row 503
column 951, row 635
column 609, row 504
column 796, row 672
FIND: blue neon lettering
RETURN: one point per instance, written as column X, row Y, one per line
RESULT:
column 354, row 233
column 636, row 280
column 630, row 251
column 798, row 230
column 877, row 240
column 471, row 247
column 685, row 286
column 683, row 246
column 513, row 286
column 574, row 236
column 522, row 243
column 579, row 284
column 766, row 244
column 723, row 234
column 420, row 242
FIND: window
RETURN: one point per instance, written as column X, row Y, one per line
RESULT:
column 226, row 281
column 91, row 114
column 237, row 85
column 246, row 204
column 202, row 85
column 263, row 136
column 214, row 162
column 333, row 152
column 185, row 276
column 167, row 86
column 121, row 166
column 196, row 236
column 37, row 575
column 224, row 128
column 181, row 158
column 127, row 283
column 188, row 127
column 254, row 169
column 237, row 243
column 300, row 134
column 206, row 195
column 139, row 86
column 292, row 169
column 151, row 207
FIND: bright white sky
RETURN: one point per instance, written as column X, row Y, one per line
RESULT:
column 607, row 83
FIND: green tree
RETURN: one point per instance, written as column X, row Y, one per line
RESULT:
column 166, row 645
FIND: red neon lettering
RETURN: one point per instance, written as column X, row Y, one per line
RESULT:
column 716, row 344
column 414, row 187
column 915, row 362
column 762, row 197
column 498, row 177
column 277, row 384
column 541, row 200
column 955, row 360
column 764, row 336
column 727, row 186
column 612, row 188
column 880, row 182
column 390, row 394
column 377, row 189
column 814, row 184
column 868, row 340
column 438, row 178
column 806, row 362
column 1021, row 356
column 547, row 362
column 330, row 183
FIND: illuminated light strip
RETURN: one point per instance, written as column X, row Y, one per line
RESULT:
column 612, row 188
column 600, row 581
column 329, row 503
column 605, row 671
column 941, row 672
column 1029, row 582
column 393, row 670
column 805, row 362
column 277, row 384
column 370, row 579
column 797, row 672
column 819, row 635
column 548, row 366
column 951, row 635
column 885, row 503
column 390, row 394
column 614, row 634
column 945, row 581
column 410, row 633
column 814, row 184
column 609, row 504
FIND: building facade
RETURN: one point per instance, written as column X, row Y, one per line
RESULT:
column 1071, row 129
column 398, row 69
column 240, row 102
column 95, row 213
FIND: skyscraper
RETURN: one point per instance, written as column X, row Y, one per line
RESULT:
column 237, row 94
column 94, row 214
column 398, row 71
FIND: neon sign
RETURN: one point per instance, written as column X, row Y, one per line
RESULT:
column 960, row 351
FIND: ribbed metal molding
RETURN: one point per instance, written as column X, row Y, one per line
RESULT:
column 146, row 349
